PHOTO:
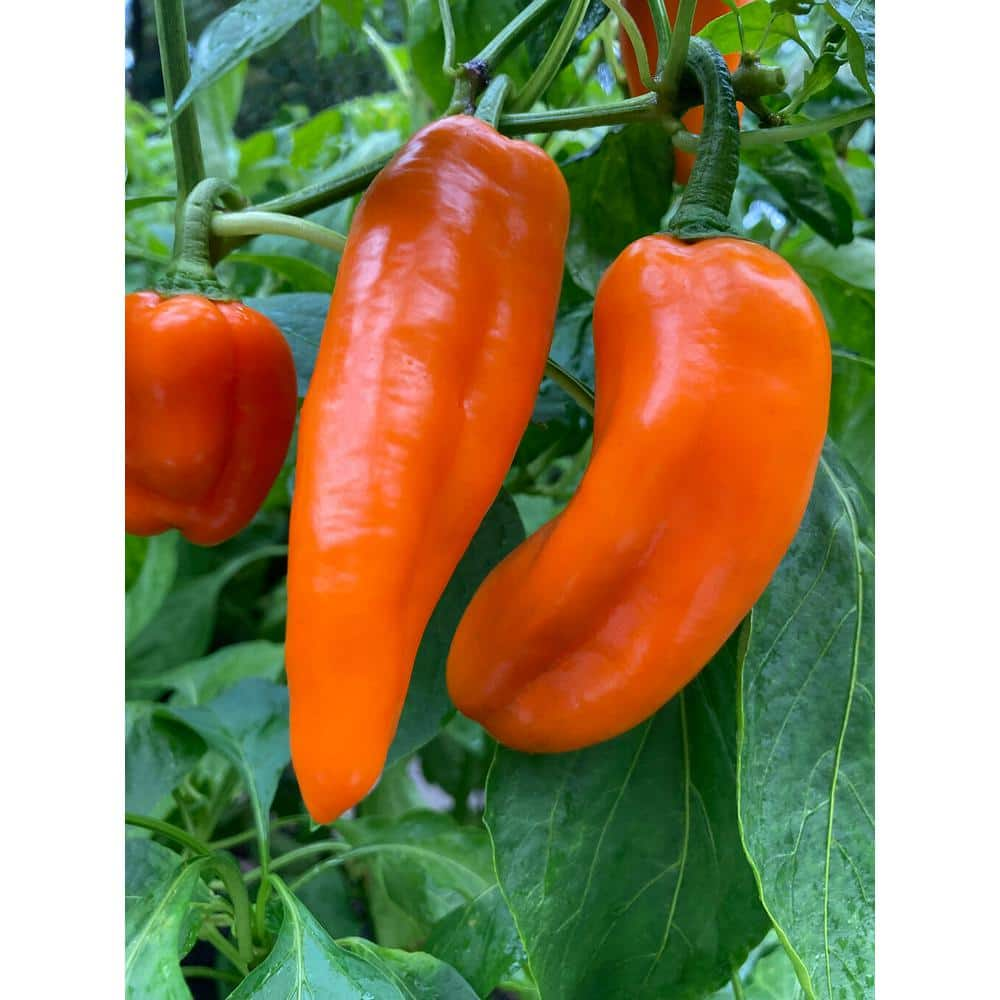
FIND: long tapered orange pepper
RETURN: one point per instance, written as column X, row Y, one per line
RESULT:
column 432, row 353
column 712, row 392
column 707, row 10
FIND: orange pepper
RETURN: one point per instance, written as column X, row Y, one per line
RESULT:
column 706, row 11
column 431, row 357
column 210, row 400
column 713, row 383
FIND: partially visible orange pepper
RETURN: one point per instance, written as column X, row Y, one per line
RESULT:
column 430, row 361
column 210, row 400
column 706, row 11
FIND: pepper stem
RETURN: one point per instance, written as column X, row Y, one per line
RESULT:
column 191, row 268
column 704, row 208
column 490, row 105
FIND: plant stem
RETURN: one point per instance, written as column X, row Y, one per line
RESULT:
column 214, row 937
column 704, row 207
column 247, row 835
column 552, row 61
column 256, row 223
column 784, row 133
column 578, row 391
column 300, row 853
column 680, row 37
column 661, row 25
column 448, row 30
column 260, row 909
column 510, row 36
column 491, row 103
column 627, row 22
column 232, row 879
column 171, row 34
column 323, row 193
column 175, row 833
column 642, row 108
column 207, row 972
column 737, row 984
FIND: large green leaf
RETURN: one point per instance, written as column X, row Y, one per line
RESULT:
column 146, row 596
column 236, row 34
column 158, row 754
column 306, row 962
column 619, row 190
column 182, row 629
column 428, row 706
column 480, row 940
column 842, row 280
column 248, row 725
column 160, row 923
column 424, row 866
column 622, row 863
column 807, row 741
column 300, row 316
column 202, row 680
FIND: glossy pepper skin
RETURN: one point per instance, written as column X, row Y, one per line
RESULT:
column 706, row 11
column 432, row 353
column 713, row 381
column 210, row 401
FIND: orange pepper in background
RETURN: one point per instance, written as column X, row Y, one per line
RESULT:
column 713, row 381
column 706, row 11
column 210, row 401
column 430, row 360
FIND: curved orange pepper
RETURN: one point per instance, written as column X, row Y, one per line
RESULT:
column 713, row 384
column 430, row 361
column 210, row 400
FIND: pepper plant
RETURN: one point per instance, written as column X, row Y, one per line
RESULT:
column 721, row 848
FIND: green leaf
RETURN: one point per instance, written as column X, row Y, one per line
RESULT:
column 159, row 753
column 352, row 11
column 428, row 706
column 182, row 630
column 619, row 190
column 820, row 75
column 724, row 33
column 768, row 974
column 146, row 596
column 303, row 274
column 427, row 865
column 849, row 309
column 479, row 939
column 807, row 740
column 160, row 922
column 806, row 175
column 217, row 107
column 457, row 759
column 622, row 863
column 200, row 681
column 306, row 962
column 248, row 725
column 235, row 35
column 573, row 348
column 857, row 18
column 300, row 316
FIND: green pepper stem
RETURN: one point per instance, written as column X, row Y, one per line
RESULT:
column 191, row 269
column 490, row 105
column 704, row 208
column 631, row 29
column 250, row 223
column 171, row 33
column 677, row 55
column 552, row 61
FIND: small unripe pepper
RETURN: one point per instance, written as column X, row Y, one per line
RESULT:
column 431, row 357
column 210, row 399
column 706, row 11
column 712, row 393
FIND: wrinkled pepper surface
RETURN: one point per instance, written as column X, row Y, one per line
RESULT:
column 431, row 357
column 210, row 401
